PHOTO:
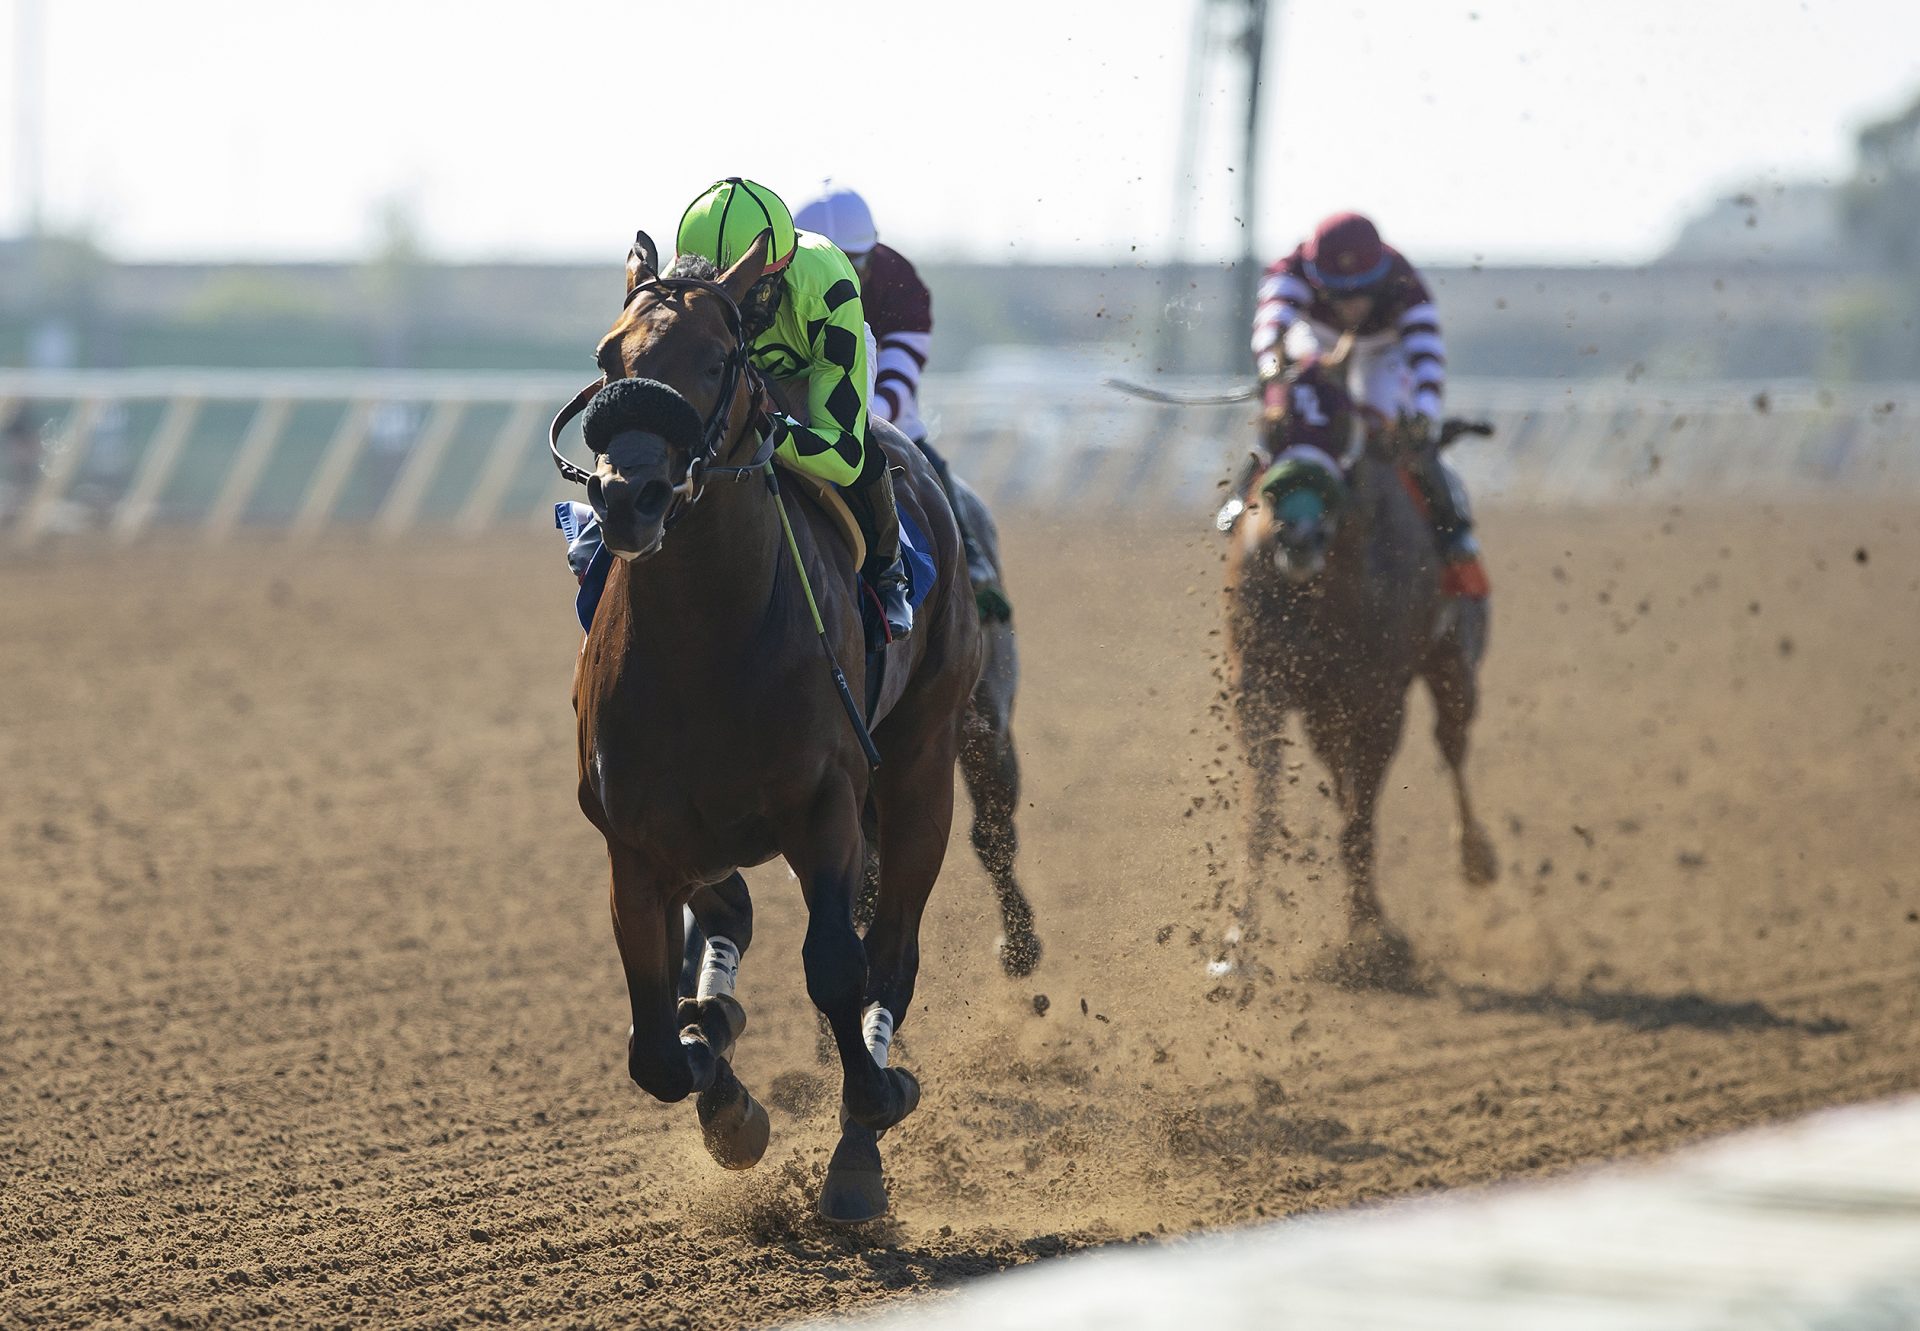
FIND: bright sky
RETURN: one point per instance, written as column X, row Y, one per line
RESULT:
column 1022, row 129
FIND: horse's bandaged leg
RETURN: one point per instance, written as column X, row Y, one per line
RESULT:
column 719, row 968
column 877, row 1026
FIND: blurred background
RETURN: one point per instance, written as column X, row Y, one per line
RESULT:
column 439, row 186
column 1609, row 204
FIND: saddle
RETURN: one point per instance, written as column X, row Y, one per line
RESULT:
column 914, row 551
column 828, row 496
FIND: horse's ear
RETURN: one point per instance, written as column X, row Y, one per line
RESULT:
column 643, row 261
column 749, row 267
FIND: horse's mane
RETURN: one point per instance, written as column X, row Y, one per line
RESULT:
column 756, row 311
column 692, row 265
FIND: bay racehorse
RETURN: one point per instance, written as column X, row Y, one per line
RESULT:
column 1333, row 609
column 711, row 735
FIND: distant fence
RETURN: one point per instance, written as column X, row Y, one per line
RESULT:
column 119, row 454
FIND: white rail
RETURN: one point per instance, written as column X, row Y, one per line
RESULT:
column 1811, row 1225
column 104, row 450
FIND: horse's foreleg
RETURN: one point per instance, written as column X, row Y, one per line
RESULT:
column 1260, row 715
column 1360, row 763
column 1450, row 680
column 827, row 853
column 668, row 1059
column 992, row 773
column 916, row 812
column 914, row 797
column 647, row 927
column 1376, row 952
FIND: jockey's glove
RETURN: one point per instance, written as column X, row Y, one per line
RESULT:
column 776, row 426
column 1270, row 366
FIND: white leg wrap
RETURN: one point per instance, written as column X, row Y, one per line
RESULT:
column 876, row 1024
column 719, row 968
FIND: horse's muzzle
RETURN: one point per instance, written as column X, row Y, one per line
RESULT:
column 632, row 501
column 1300, row 553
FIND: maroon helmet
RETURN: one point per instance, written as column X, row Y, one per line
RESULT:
column 1345, row 255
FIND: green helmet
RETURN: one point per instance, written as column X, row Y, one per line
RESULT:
column 723, row 223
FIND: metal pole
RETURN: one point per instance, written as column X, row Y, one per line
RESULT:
column 29, row 107
column 1186, row 169
column 1246, row 274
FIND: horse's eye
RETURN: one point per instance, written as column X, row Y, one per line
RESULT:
column 714, row 370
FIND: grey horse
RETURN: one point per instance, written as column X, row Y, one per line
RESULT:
column 987, row 760
column 988, row 763
column 1333, row 610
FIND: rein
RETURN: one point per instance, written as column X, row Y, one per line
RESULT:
column 713, row 441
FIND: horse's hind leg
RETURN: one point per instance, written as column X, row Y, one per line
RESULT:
column 668, row 1059
column 1451, row 681
column 992, row 772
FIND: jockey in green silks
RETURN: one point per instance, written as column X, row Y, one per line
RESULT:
column 804, row 320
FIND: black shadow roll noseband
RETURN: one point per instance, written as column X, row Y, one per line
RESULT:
column 703, row 465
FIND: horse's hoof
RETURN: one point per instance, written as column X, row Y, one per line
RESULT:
column 909, row 1088
column 1479, row 862
column 855, row 1192
column 1019, row 954
column 720, row 1019
column 903, row 1097
column 732, row 1123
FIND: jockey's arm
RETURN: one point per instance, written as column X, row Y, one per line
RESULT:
column 900, row 308
column 896, row 388
column 1282, row 297
column 1425, row 354
column 831, row 442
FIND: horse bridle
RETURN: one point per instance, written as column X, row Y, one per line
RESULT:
column 713, row 441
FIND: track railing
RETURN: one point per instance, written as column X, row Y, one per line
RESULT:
column 119, row 454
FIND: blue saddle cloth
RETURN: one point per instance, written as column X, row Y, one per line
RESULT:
column 590, row 559
column 917, row 553
column 587, row 555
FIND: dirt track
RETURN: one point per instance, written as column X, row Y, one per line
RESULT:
column 312, row 1011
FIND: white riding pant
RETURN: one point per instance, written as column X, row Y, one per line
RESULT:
column 1377, row 373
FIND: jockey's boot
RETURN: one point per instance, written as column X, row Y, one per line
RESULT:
column 871, row 499
column 1461, row 573
column 988, row 595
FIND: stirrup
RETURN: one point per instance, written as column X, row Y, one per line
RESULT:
column 890, row 585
